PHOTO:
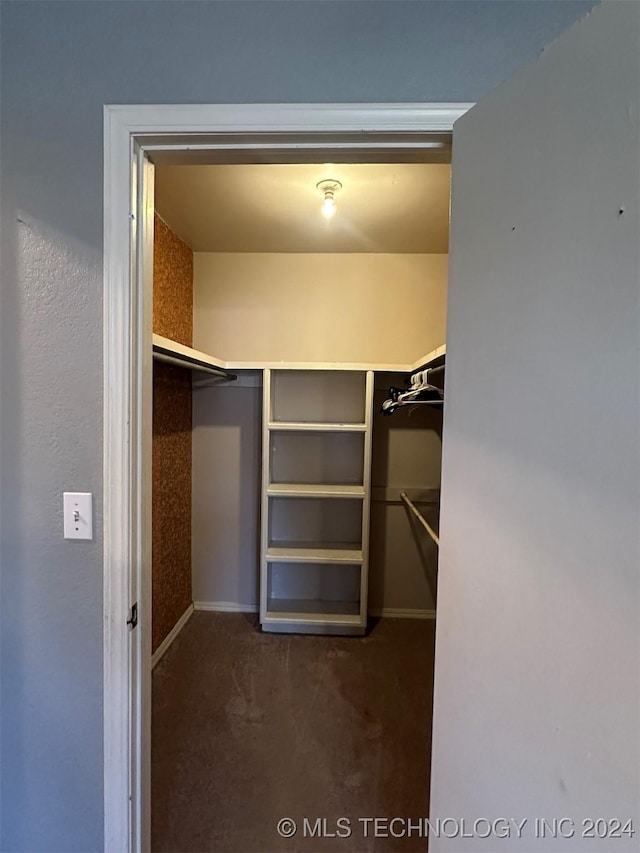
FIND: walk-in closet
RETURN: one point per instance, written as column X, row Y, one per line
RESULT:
column 299, row 346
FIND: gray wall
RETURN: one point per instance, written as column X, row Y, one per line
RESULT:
column 61, row 61
column 537, row 656
column 407, row 450
column 226, row 489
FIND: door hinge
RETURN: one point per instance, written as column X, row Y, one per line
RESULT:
column 132, row 621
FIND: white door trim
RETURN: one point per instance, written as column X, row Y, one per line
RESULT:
column 128, row 212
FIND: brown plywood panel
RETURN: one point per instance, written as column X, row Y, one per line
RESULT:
column 172, row 285
column 171, row 505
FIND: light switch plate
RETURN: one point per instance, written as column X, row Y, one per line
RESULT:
column 78, row 515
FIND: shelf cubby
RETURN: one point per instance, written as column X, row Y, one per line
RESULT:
column 314, row 593
column 329, row 458
column 335, row 552
column 315, row 500
column 320, row 523
column 336, row 397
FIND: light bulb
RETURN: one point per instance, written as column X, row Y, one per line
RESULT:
column 328, row 206
column 328, row 188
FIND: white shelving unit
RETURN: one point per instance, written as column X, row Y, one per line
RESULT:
column 316, row 473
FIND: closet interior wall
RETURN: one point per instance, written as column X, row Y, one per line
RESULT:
column 352, row 307
column 227, row 471
column 407, row 456
column 331, row 308
column 172, row 421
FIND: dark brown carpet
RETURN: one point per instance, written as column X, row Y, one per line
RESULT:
column 249, row 728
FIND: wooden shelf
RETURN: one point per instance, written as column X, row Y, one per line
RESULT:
column 174, row 348
column 301, row 553
column 340, row 366
column 313, row 490
column 164, row 349
column 301, row 426
column 428, row 359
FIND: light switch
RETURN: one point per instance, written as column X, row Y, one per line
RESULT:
column 78, row 515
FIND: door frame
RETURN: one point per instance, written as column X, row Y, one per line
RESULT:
column 132, row 133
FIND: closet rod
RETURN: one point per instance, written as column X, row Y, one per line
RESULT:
column 191, row 363
column 422, row 521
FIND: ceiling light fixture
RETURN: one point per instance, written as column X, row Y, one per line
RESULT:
column 329, row 189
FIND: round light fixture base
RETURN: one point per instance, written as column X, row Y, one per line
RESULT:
column 329, row 185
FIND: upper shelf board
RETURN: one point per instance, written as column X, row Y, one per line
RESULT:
column 196, row 358
column 428, row 359
column 361, row 367
column 164, row 349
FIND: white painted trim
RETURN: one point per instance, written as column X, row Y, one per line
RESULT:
column 142, row 419
column 225, row 607
column 118, row 524
column 215, row 119
column 385, row 612
column 171, row 636
column 402, row 613
column 168, row 127
column 277, row 148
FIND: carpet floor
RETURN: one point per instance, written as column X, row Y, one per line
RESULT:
column 249, row 728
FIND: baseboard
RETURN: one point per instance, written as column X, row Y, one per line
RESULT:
column 385, row 612
column 225, row 607
column 173, row 633
column 400, row 613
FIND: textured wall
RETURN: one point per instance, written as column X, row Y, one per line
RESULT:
column 537, row 680
column 171, row 514
column 61, row 61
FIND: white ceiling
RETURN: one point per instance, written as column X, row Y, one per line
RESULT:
column 382, row 207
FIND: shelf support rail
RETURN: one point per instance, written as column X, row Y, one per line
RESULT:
column 409, row 503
